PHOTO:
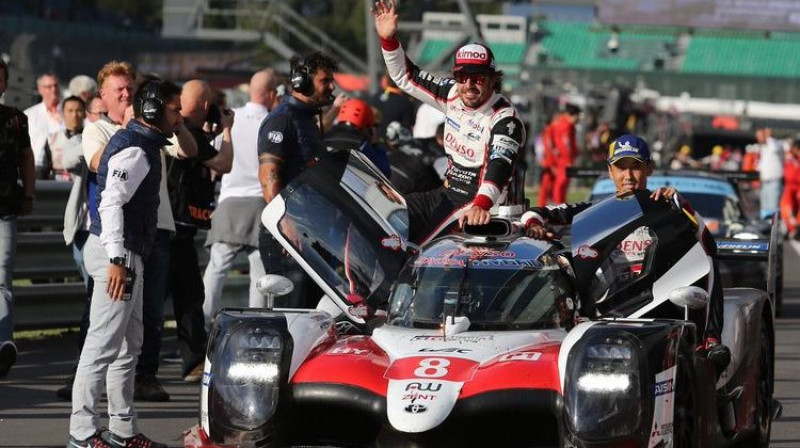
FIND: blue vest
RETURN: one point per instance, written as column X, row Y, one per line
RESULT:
column 141, row 212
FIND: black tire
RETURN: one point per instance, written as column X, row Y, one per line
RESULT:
column 686, row 430
column 764, row 388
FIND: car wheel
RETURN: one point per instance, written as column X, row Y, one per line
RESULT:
column 763, row 421
column 685, row 427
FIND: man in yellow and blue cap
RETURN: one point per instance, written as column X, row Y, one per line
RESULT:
column 629, row 166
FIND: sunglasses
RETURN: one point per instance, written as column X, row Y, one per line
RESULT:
column 476, row 78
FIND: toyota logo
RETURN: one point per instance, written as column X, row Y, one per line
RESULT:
column 415, row 408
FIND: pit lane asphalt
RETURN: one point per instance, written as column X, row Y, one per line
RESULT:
column 32, row 416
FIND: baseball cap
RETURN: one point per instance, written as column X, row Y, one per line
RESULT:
column 474, row 58
column 631, row 146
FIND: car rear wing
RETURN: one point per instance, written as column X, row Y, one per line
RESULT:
column 730, row 176
column 762, row 249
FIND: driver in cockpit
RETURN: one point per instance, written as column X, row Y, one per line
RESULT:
column 629, row 165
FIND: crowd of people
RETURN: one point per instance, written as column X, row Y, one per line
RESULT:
column 144, row 156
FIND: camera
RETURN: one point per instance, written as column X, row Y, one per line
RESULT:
column 214, row 115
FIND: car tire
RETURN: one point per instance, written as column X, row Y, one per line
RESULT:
column 686, row 430
column 764, row 387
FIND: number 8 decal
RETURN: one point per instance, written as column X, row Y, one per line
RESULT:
column 432, row 368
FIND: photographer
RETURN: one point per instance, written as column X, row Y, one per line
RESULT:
column 191, row 192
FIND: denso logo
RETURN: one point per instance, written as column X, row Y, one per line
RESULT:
column 663, row 387
column 471, row 54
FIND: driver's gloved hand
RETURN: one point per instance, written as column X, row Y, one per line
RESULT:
column 717, row 353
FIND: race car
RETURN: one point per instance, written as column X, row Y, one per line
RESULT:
column 477, row 339
column 729, row 214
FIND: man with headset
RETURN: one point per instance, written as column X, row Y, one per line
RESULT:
column 482, row 136
column 123, row 232
column 288, row 139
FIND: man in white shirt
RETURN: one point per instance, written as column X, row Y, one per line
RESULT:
column 770, row 172
column 44, row 121
column 235, row 222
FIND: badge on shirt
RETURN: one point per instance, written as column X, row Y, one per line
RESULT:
column 275, row 136
column 120, row 174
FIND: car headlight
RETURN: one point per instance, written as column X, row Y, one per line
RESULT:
column 603, row 391
column 247, row 377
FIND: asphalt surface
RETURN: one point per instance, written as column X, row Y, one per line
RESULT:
column 32, row 416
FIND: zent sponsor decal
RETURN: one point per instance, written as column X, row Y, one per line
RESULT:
column 275, row 136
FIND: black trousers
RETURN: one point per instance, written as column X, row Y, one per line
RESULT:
column 188, row 294
column 430, row 212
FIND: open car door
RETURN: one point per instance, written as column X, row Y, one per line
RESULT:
column 346, row 226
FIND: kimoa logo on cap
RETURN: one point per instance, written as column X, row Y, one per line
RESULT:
column 472, row 54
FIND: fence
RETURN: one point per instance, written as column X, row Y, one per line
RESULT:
column 48, row 289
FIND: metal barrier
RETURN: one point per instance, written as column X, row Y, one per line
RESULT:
column 49, row 291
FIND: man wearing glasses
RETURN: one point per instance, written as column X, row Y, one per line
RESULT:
column 482, row 137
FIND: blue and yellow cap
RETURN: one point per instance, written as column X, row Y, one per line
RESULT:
column 631, row 146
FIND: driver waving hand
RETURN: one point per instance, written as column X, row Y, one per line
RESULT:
column 629, row 165
column 482, row 137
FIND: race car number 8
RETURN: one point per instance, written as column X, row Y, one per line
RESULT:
column 432, row 368
column 439, row 368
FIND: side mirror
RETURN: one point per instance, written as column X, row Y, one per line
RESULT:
column 689, row 297
column 272, row 286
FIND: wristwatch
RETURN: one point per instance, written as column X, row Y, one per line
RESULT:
column 119, row 261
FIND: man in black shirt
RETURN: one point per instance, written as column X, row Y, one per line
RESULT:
column 288, row 139
column 191, row 191
column 16, row 163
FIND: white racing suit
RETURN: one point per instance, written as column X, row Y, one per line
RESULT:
column 482, row 145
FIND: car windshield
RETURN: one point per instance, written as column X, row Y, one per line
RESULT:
column 495, row 294
column 349, row 227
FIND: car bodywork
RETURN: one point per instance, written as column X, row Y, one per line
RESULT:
column 479, row 340
column 728, row 215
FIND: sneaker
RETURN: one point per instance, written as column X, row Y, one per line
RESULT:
column 147, row 388
column 195, row 375
column 173, row 357
column 8, row 356
column 137, row 441
column 94, row 441
column 65, row 392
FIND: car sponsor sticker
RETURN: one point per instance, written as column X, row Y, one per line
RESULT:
column 586, row 252
column 438, row 368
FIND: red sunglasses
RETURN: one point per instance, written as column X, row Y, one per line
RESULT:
column 476, row 78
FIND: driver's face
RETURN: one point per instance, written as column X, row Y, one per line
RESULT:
column 475, row 88
column 629, row 174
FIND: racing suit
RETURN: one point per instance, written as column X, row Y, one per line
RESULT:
column 631, row 251
column 790, row 202
column 549, row 163
column 481, row 145
column 565, row 148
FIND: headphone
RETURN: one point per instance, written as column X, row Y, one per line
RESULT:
column 301, row 80
column 150, row 106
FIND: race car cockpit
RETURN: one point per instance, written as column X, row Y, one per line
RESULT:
column 518, row 285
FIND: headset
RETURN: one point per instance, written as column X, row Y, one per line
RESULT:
column 150, row 106
column 301, row 80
